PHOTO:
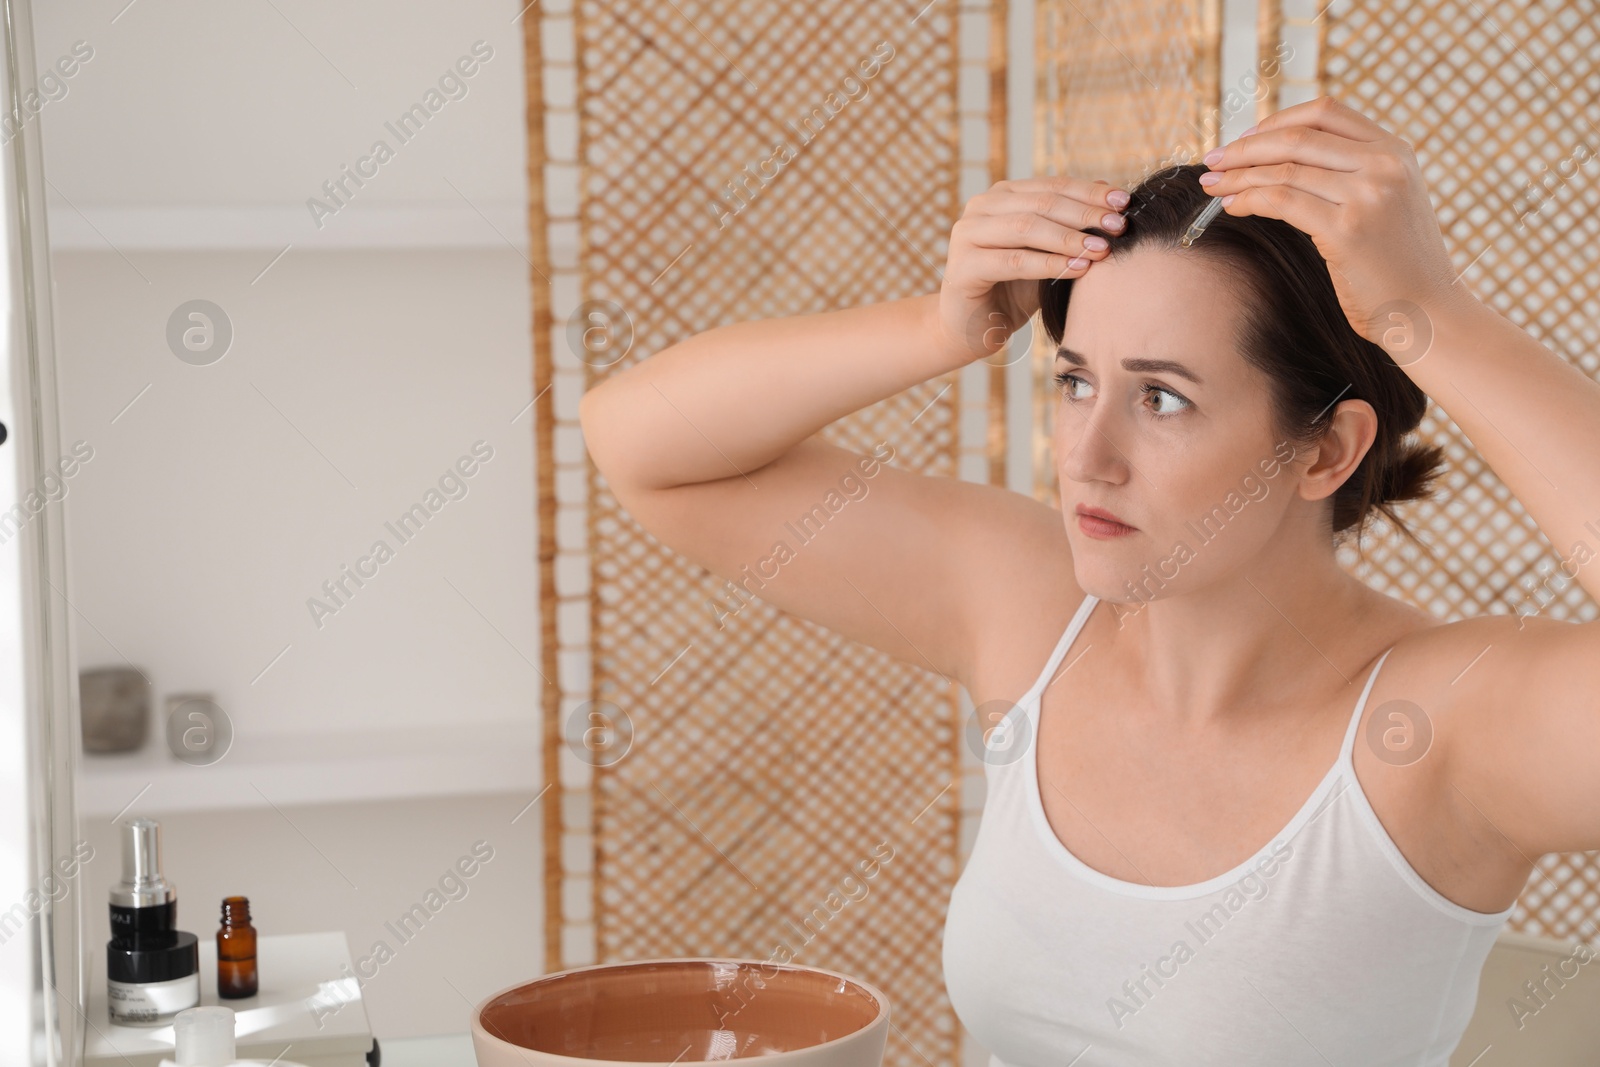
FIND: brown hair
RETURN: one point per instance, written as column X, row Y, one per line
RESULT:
column 1295, row 332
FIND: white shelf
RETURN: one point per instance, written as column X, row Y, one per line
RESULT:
column 309, row 1001
column 456, row 224
column 289, row 769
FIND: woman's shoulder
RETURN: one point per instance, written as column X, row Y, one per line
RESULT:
column 1025, row 591
column 1423, row 639
column 1014, row 653
column 1440, row 666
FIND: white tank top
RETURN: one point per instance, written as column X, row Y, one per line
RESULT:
column 1326, row 947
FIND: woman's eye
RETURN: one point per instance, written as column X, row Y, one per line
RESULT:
column 1180, row 402
column 1066, row 382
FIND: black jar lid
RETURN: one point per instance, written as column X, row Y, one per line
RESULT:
column 143, row 965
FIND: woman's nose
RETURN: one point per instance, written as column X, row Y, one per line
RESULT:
column 1090, row 449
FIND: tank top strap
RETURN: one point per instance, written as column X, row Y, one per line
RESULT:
column 1347, row 749
column 1069, row 635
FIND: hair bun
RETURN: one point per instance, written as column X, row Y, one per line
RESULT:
column 1410, row 476
column 1408, row 473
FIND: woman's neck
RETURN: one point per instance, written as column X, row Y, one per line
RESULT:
column 1249, row 643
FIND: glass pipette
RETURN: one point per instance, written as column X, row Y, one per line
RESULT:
column 1201, row 221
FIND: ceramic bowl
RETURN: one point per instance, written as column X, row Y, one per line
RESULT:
column 681, row 1011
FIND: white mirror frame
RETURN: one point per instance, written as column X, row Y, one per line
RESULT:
column 42, row 977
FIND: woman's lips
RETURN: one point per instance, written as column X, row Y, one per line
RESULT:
column 1095, row 523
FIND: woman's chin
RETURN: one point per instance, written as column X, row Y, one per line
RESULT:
column 1115, row 582
column 1101, row 584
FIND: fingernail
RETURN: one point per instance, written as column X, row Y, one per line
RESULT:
column 1248, row 132
column 1099, row 244
column 1117, row 199
column 1228, row 199
column 1212, row 158
column 1110, row 221
column 1210, row 177
column 1077, row 263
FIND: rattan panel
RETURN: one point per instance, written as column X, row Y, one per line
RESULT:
column 1124, row 89
column 1501, row 102
column 768, row 756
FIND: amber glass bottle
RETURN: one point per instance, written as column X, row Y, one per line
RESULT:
column 236, row 951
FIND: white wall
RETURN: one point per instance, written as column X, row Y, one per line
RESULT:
column 369, row 354
column 218, row 502
column 249, row 108
column 220, row 498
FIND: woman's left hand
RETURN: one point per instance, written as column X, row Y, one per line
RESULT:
column 1356, row 190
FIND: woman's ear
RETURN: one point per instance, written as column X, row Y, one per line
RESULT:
column 1335, row 457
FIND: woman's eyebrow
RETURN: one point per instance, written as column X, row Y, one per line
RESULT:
column 1146, row 366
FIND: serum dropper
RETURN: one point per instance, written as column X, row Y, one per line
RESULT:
column 1201, row 221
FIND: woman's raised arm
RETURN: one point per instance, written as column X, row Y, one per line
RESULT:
column 711, row 445
column 1517, row 739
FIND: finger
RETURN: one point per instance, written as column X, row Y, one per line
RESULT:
column 1325, row 113
column 1327, row 185
column 1299, row 144
column 1031, row 231
column 1009, row 264
column 1304, row 211
column 1097, row 192
column 1064, row 210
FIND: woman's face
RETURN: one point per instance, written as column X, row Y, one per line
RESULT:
column 1161, row 422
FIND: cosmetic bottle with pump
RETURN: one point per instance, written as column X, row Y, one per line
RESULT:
column 152, row 967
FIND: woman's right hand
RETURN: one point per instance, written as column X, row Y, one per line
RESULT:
column 1007, row 239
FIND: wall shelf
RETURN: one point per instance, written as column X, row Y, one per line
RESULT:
column 260, row 771
column 446, row 224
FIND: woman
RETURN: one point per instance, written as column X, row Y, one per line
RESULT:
column 1214, row 832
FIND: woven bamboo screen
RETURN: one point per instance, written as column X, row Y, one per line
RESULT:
column 1501, row 101
column 1124, row 89
column 718, row 770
